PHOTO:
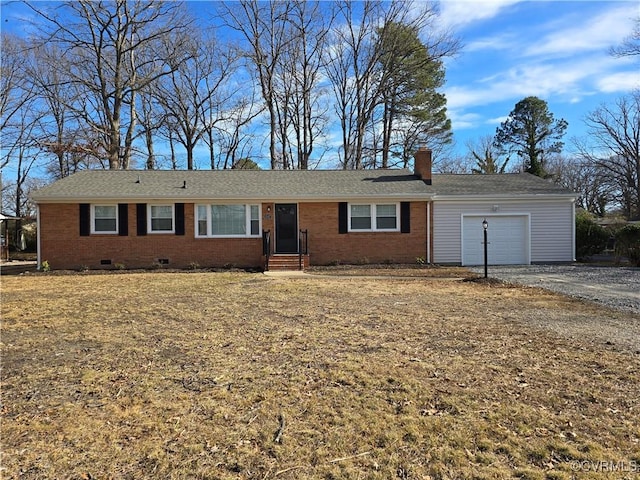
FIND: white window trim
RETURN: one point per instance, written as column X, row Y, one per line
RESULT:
column 173, row 219
column 374, row 207
column 247, row 207
column 93, row 219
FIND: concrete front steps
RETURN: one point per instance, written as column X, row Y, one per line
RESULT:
column 285, row 262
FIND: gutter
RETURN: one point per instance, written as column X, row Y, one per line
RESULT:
column 234, row 198
column 529, row 196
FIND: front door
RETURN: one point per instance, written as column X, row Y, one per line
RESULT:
column 286, row 223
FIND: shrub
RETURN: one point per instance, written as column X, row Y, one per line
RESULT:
column 45, row 267
column 591, row 238
column 628, row 243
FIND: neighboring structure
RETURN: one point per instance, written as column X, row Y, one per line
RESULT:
column 245, row 218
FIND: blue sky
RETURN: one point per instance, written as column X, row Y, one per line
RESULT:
column 555, row 50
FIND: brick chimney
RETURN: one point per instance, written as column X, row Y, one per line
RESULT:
column 422, row 164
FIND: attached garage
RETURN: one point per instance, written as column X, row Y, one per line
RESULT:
column 531, row 220
column 507, row 240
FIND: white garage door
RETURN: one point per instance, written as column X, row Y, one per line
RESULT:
column 508, row 240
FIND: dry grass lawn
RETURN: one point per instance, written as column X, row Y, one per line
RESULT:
column 244, row 376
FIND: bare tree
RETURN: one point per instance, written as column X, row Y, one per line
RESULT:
column 590, row 182
column 187, row 95
column 351, row 69
column 300, row 75
column 20, row 117
column 264, row 25
column 150, row 121
column 378, row 62
column 15, row 89
column 615, row 135
column 630, row 46
column 112, row 51
column 227, row 133
column 20, row 150
column 486, row 156
column 59, row 133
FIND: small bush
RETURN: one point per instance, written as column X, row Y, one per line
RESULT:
column 591, row 238
column 45, row 267
column 628, row 243
column 119, row 266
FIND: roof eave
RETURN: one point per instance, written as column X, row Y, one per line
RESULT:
column 506, row 196
column 199, row 198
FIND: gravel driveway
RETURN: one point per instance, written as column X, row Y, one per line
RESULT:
column 616, row 287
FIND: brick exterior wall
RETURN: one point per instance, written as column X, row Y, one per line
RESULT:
column 327, row 245
column 62, row 246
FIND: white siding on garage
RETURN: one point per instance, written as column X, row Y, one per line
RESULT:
column 551, row 226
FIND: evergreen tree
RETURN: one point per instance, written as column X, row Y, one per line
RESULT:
column 412, row 109
column 532, row 133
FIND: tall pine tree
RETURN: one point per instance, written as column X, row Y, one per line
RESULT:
column 532, row 133
column 412, row 108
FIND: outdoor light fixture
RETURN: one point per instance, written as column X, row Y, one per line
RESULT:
column 485, row 225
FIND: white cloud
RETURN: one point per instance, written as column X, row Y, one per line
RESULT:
column 458, row 13
column 460, row 121
column 596, row 33
column 498, row 42
column 619, row 82
column 497, row 120
column 572, row 79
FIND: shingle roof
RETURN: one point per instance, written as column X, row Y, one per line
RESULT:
column 273, row 185
column 495, row 185
column 233, row 184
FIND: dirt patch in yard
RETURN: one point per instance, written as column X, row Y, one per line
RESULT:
column 393, row 270
column 235, row 375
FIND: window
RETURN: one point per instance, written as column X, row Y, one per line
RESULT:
column 161, row 219
column 255, row 220
column 228, row 220
column 233, row 220
column 104, row 218
column 202, row 221
column 360, row 217
column 386, row 216
column 373, row 217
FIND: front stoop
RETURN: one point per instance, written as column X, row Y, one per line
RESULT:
column 283, row 262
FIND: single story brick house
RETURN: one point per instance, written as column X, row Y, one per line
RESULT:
column 256, row 218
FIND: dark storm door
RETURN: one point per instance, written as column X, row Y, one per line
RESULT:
column 286, row 227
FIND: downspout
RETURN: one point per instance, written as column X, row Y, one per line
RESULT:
column 39, row 259
column 573, row 229
column 429, row 232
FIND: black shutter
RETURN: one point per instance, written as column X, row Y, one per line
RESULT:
column 405, row 217
column 85, row 219
column 123, row 219
column 343, row 217
column 141, row 218
column 179, row 218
